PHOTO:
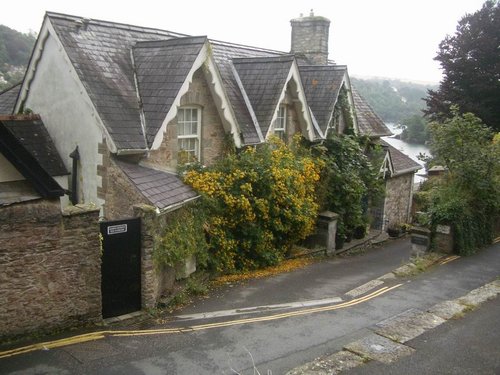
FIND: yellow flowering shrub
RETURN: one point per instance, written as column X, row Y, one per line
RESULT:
column 258, row 203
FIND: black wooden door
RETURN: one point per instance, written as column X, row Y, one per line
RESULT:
column 121, row 267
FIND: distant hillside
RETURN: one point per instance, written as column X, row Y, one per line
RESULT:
column 15, row 52
column 393, row 100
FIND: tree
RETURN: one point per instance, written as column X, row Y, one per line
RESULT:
column 470, row 60
column 468, row 198
column 15, row 51
column 415, row 130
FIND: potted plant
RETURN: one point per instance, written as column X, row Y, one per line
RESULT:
column 359, row 232
column 394, row 230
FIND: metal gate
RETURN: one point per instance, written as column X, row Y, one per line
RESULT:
column 377, row 217
column 121, row 267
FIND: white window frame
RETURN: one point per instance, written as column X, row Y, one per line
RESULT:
column 281, row 123
column 194, row 152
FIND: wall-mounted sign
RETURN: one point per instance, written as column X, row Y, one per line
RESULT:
column 116, row 229
column 444, row 229
column 420, row 240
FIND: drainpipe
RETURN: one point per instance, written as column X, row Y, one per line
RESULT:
column 75, row 155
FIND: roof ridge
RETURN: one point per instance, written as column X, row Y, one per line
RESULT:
column 172, row 41
column 281, row 58
column 253, row 48
column 323, row 67
column 114, row 24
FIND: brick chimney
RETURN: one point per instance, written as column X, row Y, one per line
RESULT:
column 310, row 38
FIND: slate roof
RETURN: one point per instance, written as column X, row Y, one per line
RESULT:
column 22, row 159
column 100, row 54
column 162, row 189
column 224, row 53
column 34, row 137
column 322, row 86
column 105, row 54
column 162, row 67
column 401, row 163
column 8, row 99
column 369, row 123
column 264, row 80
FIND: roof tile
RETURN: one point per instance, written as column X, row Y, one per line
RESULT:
column 162, row 189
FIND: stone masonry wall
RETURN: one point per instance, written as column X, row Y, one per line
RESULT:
column 212, row 131
column 155, row 281
column 398, row 199
column 310, row 38
column 121, row 194
column 50, row 267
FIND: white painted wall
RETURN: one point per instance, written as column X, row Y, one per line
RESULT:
column 68, row 114
column 8, row 172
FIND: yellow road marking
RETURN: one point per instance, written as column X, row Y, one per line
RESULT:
column 449, row 259
column 123, row 333
column 496, row 240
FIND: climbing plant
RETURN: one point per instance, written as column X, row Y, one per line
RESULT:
column 350, row 180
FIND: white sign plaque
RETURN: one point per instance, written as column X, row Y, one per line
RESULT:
column 116, row 229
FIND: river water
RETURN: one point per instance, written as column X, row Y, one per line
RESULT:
column 410, row 149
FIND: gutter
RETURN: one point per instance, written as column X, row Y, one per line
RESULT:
column 131, row 151
column 405, row 171
column 175, row 206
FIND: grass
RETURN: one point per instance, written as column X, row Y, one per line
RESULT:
column 418, row 265
column 468, row 308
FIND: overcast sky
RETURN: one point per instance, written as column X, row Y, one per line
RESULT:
column 384, row 38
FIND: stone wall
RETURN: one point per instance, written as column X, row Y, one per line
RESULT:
column 155, row 281
column 50, row 267
column 117, row 191
column 213, row 135
column 398, row 197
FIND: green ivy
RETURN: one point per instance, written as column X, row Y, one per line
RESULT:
column 183, row 237
column 350, row 182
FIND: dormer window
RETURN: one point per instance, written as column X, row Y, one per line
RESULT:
column 280, row 123
column 188, row 134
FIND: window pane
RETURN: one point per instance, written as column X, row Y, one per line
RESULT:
column 187, row 131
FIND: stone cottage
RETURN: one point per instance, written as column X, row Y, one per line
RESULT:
column 126, row 104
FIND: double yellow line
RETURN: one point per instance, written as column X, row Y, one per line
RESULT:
column 448, row 259
column 109, row 333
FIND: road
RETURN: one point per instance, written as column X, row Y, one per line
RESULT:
column 465, row 346
column 274, row 338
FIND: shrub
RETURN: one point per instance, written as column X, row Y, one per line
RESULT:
column 258, row 203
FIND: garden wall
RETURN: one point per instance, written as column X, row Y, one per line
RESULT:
column 50, row 267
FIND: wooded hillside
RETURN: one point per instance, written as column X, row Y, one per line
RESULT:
column 15, row 51
column 393, row 100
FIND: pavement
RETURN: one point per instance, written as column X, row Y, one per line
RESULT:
column 371, row 269
column 388, row 342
